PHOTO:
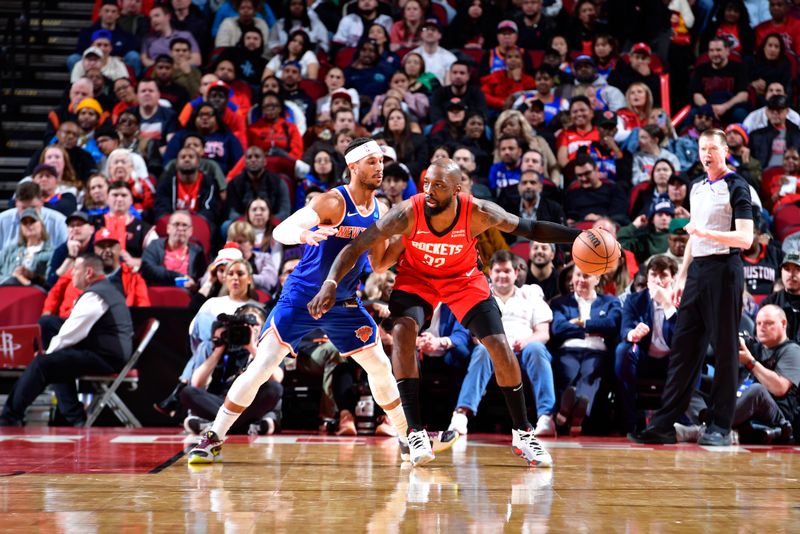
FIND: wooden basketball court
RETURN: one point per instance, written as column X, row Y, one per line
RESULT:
column 137, row 481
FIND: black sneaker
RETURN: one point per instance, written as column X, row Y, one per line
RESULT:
column 654, row 436
column 196, row 425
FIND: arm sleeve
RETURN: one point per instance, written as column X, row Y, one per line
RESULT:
column 288, row 232
column 89, row 308
column 545, row 232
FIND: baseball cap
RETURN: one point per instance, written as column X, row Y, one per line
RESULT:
column 102, row 34
column 584, row 58
column 777, row 102
column 104, row 234
column 341, row 93
column 432, row 21
column 790, row 257
column 93, row 50
column 679, row 177
column 606, row 119
column 30, row 213
column 227, row 254
column 219, row 84
column 739, row 129
column 78, row 215
column 389, row 152
column 455, row 103
column 641, row 48
column 165, row 58
column 661, row 204
column 531, row 104
column 676, row 226
column 44, row 167
column 509, row 25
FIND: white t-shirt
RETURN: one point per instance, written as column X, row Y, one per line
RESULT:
column 523, row 311
column 437, row 63
column 309, row 58
column 351, row 28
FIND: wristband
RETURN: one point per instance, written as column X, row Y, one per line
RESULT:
column 332, row 281
column 749, row 365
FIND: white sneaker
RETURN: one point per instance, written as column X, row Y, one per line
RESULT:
column 688, row 433
column 419, row 446
column 527, row 447
column 459, row 423
column 545, row 427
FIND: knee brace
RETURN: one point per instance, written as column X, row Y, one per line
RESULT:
column 379, row 373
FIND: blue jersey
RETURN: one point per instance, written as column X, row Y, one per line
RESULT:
column 313, row 268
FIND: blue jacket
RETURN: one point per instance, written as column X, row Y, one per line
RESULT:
column 638, row 308
column 604, row 319
column 450, row 327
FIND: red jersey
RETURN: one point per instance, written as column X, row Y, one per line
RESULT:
column 573, row 140
column 432, row 255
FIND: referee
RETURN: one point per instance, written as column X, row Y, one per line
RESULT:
column 709, row 289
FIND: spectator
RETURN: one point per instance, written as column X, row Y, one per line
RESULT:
column 532, row 205
column 676, row 240
column 732, row 23
column 96, row 339
column 758, row 118
column 80, row 160
column 784, row 188
column 648, row 321
column 188, row 189
column 125, row 223
column 589, row 198
column 746, row 166
column 209, row 167
column 650, row 151
column 552, row 104
column 123, row 44
column 684, row 148
column 185, row 74
column 259, row 214
column 297, row 16
column 613, row 163
column 29, row 195
column 131, row 19
column 367, row 74
column 411, row 147
column 406, row 32
column 422, row 81
column 157, row 124
column 414, row 103
column 228, row 9
column 79, row 238
column 788, row 298
column 66, row 111
column 257, row 182
column 584, row 26
column 762, row 262
column 121, row 275
column 90, row 116
column 97, row 57
column 787, row 27
column 526, row 321
column 169, row 258
column 265, row 275
column 95, row 203
column 161, row 35
column 501, row 84
column 607, row 96
column 476, row 140
column 352, row 26
column 25, row 263
column 213, row 281
column 217, row 93
column 660, row 175
column 210, row 381
column 125, row 92
column 163, row 74
column 585, row 329
column 219, row 144
column 534, row 27
column 449, row 130
column 768, row 144
column 272, row 133
column 541, row 269
column 380, row 35
column 639, row 108
column 647, row 234
column 292, row 92
column 188, row 17
column 334, row 81
column 437, row 60
column 326, row 172
column 47, row 176
column 395, row 181
column 120, row 168
column 460, row 87
column 773, row 365
column 721, row 83
column 605, row 52
column 580, row 133
column 506, row 173
column 298, row 49
column 769, row 65
column 637, row 70
column 703, row 120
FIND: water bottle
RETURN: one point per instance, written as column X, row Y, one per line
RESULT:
column 365, row 415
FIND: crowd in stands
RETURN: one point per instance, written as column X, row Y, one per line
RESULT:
column 191, row 129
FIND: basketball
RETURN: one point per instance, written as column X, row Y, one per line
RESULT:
column 596, row 252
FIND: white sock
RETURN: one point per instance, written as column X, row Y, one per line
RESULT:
column 224, row 421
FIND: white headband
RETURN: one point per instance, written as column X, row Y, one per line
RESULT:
column 360, row 152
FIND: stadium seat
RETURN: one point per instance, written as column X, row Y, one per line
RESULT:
column 521, row 249
column 787, row 221
column 344, row 57
column 263, row 297
column 313, row 88
column 21, row 305
column 106, row 385
column 201, row 232
column 168, row 297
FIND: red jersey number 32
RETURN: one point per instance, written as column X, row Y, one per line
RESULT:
column 433, row 262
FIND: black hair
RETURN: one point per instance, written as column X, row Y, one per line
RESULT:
column 120, row 184
column 396, row 170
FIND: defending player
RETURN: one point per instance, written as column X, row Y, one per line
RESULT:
column 329, row 223
column 439, row 263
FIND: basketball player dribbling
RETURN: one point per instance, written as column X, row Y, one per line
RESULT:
column 439, row 264
column 325, row 226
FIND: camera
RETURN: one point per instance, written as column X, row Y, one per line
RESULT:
column 236, row 330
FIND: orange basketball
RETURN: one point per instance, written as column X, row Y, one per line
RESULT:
column 596, row 252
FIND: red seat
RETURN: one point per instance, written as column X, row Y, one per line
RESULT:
column 474, row 53
column 344, row 57
column 521, row 249
column 20, row 305
column 168, row 297
column 536, row 58
column 787, row 221
column 313, row 88
column 263, row 296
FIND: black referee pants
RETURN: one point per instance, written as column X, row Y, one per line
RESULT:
column 710, row 311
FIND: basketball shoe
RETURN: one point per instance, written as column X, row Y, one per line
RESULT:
column 419, row 447
column 527, row 447
column 208, row 450
column 440, row 442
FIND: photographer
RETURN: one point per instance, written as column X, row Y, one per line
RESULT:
column 769, row 402
column 234, row 338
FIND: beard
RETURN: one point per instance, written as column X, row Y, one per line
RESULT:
column 530, row 196
column 439, row 208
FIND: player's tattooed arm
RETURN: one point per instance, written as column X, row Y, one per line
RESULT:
column 487, row 214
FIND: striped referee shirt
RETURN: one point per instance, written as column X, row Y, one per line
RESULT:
column 715, row 206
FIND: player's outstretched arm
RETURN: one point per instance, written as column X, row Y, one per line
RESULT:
column 321, row 212
column 397, row 221
column 486, row 214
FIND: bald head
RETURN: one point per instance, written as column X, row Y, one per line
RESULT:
column 771, row 326
column 450, row 170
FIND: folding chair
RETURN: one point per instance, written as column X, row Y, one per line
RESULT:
column 106, row 385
